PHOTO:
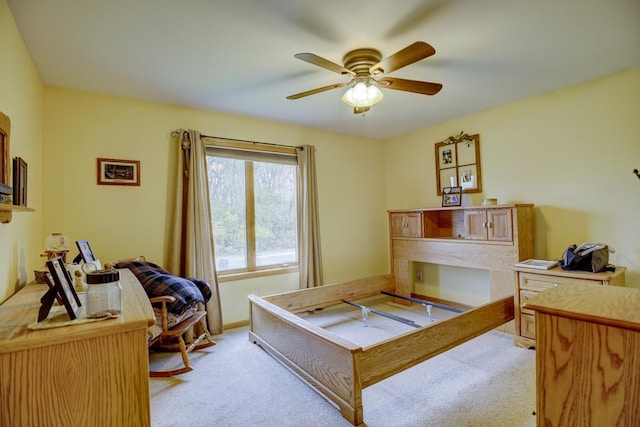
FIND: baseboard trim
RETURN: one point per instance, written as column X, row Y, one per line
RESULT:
column 236, row 324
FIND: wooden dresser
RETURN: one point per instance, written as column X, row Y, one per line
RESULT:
column 529, row 282
column 92, row 374
column 587, row 355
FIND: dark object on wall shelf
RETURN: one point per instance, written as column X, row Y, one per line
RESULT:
column 637, row 173
column 19, row 182
column 5, row 133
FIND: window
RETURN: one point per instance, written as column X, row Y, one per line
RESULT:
column 253, row 209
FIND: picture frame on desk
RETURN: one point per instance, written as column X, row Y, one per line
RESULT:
column 64, row 289
column 52, row 287
column 86, row 252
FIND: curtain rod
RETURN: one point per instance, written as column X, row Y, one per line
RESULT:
column 176, row 132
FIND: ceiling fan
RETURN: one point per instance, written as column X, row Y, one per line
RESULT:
column 366, row 68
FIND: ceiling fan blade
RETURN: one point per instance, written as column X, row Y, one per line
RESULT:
column 324, row 63
column 425, row 88
column 410, row 54
column 317, row 90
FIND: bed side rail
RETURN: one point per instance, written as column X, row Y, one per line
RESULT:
column 323, row 296
column 389, row 357
column 325, row 361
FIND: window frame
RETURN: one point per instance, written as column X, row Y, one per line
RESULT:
column 251, row 152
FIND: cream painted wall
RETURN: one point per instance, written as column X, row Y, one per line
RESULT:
column 21, row 240
column 129, row 221
column 570, row 152
column 463, row 285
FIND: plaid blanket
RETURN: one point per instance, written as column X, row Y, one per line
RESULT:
column 158, row 282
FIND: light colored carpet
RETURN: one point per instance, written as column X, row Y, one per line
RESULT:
column 484, row 382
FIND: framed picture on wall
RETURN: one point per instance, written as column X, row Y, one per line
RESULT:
column 118, row 172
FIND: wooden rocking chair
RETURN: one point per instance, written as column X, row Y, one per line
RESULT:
column 163, row 335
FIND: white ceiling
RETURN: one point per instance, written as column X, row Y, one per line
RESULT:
column 237, row 56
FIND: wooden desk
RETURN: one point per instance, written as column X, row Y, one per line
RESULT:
column 93, row 374
column 588, row 355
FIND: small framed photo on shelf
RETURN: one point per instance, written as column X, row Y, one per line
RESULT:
column 118, row 172
column 451, row 196
column 64, row 289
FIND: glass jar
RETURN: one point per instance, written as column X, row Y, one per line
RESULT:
column 56, row 242
column 104, row 293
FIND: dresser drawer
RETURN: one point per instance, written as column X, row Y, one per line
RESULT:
column 530, row 282
column 524, row 297
column 540, row 282
column 527, row 326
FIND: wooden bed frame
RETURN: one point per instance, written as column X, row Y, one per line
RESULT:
column 339, row 369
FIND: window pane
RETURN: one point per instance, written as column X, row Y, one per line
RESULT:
column 228, row 211
column 275, row 213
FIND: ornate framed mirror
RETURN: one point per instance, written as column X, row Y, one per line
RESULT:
column 458, row 163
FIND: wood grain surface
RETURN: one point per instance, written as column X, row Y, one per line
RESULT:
column 339, row 369
column 93, row 374
column 588, row 356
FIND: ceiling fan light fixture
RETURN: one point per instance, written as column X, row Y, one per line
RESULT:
column 369, row 72
column 362, row 95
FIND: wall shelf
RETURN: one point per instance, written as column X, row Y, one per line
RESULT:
column 6, row 211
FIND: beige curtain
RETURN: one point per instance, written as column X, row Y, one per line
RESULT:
column 309, row 226
column 192, row 252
